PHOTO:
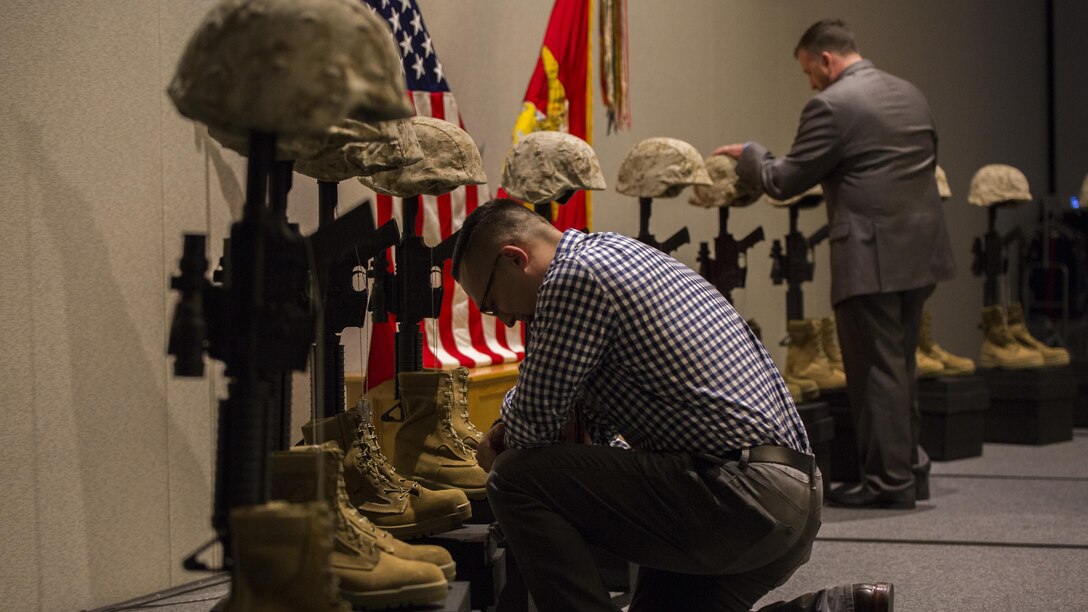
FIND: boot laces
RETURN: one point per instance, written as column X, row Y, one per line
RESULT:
column 352, row 512
column 463, row 404
column 447, row 427
column 468, row 422
column 353, row 537
column 369, row 455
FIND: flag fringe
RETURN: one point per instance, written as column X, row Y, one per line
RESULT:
column 615, row 76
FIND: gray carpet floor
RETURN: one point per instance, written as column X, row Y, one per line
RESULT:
column 1004, row 531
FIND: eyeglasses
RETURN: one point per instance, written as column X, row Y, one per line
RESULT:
column 489, row 310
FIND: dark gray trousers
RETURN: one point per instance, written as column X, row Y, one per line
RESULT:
column 878, row 335
column 706, row 536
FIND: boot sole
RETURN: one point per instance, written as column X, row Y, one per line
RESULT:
column 1009, row 365
column 479, row 493
column 402, row 597
column 957, row 371
column 449, row 570
column 438, row 524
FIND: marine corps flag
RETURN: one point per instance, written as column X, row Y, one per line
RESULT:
column 559, row 96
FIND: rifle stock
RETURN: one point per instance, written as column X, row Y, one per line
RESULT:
column 676, row 241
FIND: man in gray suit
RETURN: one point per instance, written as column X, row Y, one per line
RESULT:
column 869, row 140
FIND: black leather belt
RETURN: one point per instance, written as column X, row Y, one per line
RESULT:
column 771, row 454
column 768, row 453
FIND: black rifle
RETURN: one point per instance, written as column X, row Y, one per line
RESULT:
column 674, row 242
column 258, row 322
column 342, row 249
column 726, row 271
column 795, row 266
column 990, row 259
column 409, row 292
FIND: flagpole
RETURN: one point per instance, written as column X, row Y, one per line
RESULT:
column 589, row 104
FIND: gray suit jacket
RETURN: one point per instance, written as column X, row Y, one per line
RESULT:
column 869, row 140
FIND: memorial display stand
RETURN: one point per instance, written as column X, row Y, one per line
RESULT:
column 1079, row 368
column 826, row 416
column 1029, row 406
column 480, row 562
column 204, row 592
column 953, row 416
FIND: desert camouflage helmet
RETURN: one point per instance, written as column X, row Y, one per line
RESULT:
column 727, row 189
column 361, row 149
column 942, row 184
column 544, row 166
column 287, row 147
column 450, row 160
column 290, row 67
column 998, row 183
column 809, row 198
column 346, row 150
column 661, row 168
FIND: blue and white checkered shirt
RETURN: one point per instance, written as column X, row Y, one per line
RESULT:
column 646, row 348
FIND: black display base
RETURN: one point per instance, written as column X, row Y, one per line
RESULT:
column 953, row 416
column 844, row 448
column 456, row 601
column 1030, row 406
column 481, row 512
column 211, row 594
column 820, row 426
column 1080, row 405
column 479, row 561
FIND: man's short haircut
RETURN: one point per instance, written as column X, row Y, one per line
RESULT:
column 827, row 35
column 498, row 220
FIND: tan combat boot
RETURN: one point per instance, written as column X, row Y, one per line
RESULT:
column 808, row 389
column 427, row 449
column 368, row 491
column 431, row 511
column 316, row 473
column 282, row 555
column 795, row 392
column 1052, row 356
column 999, row 348
column 395, row 504
column 954, row 365
column 926, row 366
column 462, row 424
column 830, row 338
column 369, row 577
column 805, row 358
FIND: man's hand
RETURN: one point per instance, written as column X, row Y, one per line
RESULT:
column 732, row 150
column 490, row 447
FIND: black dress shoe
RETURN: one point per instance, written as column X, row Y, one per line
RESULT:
column 878, row 597
column 859, row 496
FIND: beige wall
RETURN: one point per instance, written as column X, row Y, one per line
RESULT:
column 106, row 460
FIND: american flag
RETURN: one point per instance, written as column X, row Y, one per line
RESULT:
column 461, row 336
